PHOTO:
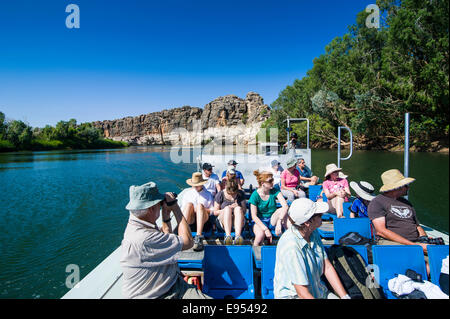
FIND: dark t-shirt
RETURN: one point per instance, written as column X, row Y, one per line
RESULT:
column 400, row 215
column 220, row 199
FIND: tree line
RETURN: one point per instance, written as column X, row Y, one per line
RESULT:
column 16, row 135
column 369, row 78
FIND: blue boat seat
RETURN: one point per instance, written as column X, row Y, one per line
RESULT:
column 346, row 206
column 343, row 226
column 436, row 253
column 392, row 260
column 314, row 191
column 268, row 257
column 228, row 272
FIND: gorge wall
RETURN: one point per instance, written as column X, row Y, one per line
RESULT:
column 228, row 117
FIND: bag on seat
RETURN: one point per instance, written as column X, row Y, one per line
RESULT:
column 351, row 269
column 353, row 238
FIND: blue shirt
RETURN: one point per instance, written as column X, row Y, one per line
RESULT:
column 301, row 263
column 238, row 174
column 306, row 172
column 358, row 208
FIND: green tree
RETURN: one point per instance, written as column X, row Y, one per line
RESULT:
column 19, row 134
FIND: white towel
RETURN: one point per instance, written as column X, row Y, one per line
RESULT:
column 444, row 268
column 403, row 285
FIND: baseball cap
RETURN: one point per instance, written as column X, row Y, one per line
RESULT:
column 302, row 209
column 207, row 166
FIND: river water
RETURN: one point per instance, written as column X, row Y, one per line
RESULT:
column 65, row 208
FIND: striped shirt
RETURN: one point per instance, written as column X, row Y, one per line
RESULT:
column 301, row 263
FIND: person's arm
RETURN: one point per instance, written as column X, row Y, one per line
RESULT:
column 327, row 193
column 218, row 187
column 303, row 292
column 421, row 231
column 333, row 278
column 217, row 209
column 381, row 230
column 184, row 230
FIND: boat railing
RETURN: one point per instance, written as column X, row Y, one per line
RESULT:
column 339, row 158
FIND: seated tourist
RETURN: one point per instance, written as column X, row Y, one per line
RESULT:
column 276, row 169
column 364, row 195
column 336, row 190
column 290, row 179
column 264, row 211
column 213, row 183
column 230, row 207
column 394, row 217
column 306, row 176
column 150, row 254
column 231, row 174
column 233, row 164
column 301, row 259
column 198, row 205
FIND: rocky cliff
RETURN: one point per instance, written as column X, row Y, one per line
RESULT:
column 227, row 117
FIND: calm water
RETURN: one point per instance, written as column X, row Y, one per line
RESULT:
column 61, row 208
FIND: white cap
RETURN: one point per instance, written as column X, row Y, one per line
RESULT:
column 302, row 209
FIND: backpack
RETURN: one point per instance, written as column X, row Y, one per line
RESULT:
column 351, row 269
column 353, row 238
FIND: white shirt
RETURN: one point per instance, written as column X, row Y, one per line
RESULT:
column 149, row 260
column 204, row 197
column 211, row 184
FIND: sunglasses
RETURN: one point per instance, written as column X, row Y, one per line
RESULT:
column 270, row 181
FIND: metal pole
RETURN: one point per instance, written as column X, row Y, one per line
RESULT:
column 307, row 128
column 406, row 151
column 288, row 135
column 339, row 148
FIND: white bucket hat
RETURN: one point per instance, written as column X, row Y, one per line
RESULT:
column 302, row 209
column 363, row 189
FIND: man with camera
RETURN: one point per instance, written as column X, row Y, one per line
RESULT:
column 394, row 217
column 150, row 253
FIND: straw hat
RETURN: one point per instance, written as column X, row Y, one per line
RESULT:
column 330, row 168
column 393, row 179
column 196, row 180
column 363, row 189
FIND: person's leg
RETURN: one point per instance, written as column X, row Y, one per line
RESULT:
column 189, row 213
column 227, row 220
column 301, row 193
column 279, row 219
column 259, row 235
column 202, row 217
column 239, row 221
column 287, row 193
column 337, row 203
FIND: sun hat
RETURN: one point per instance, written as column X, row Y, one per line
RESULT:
column 342, row 175
column 196, row 180
column 330, row 168
column 302, row 209
column 232, row 162
column 291, row 162
column 207, row 166
column 363, row 189
column 393, row 179
column 144, row 196
column 274, row 162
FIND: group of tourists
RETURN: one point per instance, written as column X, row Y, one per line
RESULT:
column 150, row 252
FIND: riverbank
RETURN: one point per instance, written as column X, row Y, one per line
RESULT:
column 54, row 145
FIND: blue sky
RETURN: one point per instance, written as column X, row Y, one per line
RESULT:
column 135, row 57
